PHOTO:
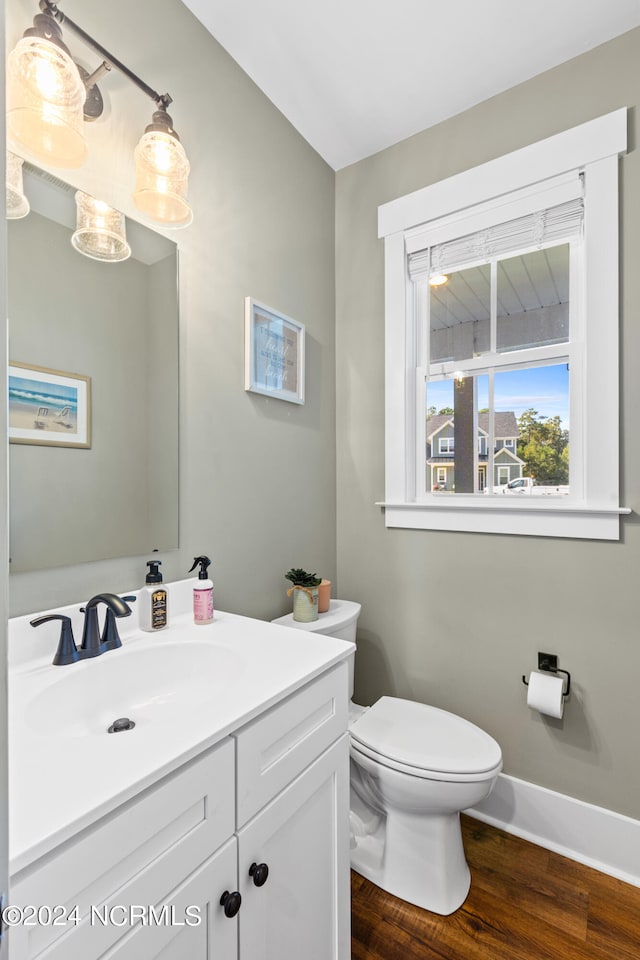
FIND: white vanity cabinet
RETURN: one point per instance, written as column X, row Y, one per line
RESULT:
column 214, row 937
column 146, row 852
column 274, row 792
column 295, row 829
column 301, row 910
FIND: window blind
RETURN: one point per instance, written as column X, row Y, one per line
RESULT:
column 562, row 222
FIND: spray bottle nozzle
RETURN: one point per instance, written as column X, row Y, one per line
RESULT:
column 204, row 564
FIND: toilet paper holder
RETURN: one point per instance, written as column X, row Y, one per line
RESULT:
column 549, row 662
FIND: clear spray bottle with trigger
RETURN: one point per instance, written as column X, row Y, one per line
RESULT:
column 202, row 593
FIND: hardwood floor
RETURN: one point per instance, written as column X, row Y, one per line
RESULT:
column 525, row 903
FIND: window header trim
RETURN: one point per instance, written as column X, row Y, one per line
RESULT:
column 563, row 152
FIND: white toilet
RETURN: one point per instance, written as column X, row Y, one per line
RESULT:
column 413, row 769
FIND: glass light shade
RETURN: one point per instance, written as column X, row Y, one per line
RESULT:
column 17, row 203
column 100, row 230
column 45, row 97
column 162, row 179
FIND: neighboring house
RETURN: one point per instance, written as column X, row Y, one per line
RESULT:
column 507, row 465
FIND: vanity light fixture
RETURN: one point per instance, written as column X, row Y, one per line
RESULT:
column 45, row 96
column 100, row 230
column 17, row 203
column 48, row 96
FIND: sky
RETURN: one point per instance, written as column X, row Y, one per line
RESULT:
column 546, row 389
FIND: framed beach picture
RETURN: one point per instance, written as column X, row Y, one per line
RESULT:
column 49, row 407
column 274, row 353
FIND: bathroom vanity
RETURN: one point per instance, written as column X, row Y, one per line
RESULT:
column 216, row 828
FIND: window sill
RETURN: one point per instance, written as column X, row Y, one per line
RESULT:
column 551, row 518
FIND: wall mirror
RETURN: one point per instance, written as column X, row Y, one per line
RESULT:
column 117, row 325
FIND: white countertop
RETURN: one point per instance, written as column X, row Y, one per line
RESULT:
column 63, row 778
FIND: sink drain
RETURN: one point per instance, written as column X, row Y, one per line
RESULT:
column 118, row 726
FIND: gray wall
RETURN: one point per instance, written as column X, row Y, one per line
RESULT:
column 456, row 619
column 257, row 482
column 95, row 319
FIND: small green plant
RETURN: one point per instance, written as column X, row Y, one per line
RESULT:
column 300, row 578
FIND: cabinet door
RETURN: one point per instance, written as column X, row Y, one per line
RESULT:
column 145, row 849
column 189, row 922
column 302, row 909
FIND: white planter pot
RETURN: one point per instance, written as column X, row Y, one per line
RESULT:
column 305, row 604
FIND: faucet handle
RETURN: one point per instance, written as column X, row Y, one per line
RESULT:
column 110, row 638
column 67, row 651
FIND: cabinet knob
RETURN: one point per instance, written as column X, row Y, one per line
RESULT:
column 259, row 872
column 231, row 903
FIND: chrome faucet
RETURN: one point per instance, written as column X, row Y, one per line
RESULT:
column 92, row 643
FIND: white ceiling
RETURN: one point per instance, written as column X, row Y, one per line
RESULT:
column 355, row 76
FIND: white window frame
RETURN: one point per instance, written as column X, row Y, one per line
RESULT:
column 534, row 177
column 441, row 475
column 447, row 442
column 502, row 472
column 509, row 443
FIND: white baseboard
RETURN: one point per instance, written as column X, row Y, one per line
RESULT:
column 597, row 837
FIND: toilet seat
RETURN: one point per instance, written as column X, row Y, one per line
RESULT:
column 424, row 741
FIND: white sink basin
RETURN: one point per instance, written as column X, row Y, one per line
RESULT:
column 152, row 684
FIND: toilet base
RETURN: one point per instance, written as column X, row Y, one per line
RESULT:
column 419, row 859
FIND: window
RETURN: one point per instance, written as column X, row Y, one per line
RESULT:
column 445, row 444
column 528, row 247
column 442, row 476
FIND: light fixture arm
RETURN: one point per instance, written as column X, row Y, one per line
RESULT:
column 97, row 74
column 162, row 99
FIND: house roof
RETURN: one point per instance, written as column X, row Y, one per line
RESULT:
column 505, row 424
column 437, row 422
column 505, row 454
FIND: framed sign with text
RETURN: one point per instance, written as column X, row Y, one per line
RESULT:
column 274, row 353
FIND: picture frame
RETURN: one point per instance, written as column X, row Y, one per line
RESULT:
column 48, row 407
column 274, row 353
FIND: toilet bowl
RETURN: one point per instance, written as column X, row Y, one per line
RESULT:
column 414, row 768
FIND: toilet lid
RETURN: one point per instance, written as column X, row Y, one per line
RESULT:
column 425, row 737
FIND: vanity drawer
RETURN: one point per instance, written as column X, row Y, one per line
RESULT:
column 133, row 856
column 273, row 749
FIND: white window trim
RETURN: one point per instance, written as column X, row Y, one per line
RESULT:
column 445, row 441
column 441, row 474
column 591, row 149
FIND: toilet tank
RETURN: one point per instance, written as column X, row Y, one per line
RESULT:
column 341, row 620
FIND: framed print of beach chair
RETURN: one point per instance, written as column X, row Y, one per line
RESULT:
column 49, row 407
